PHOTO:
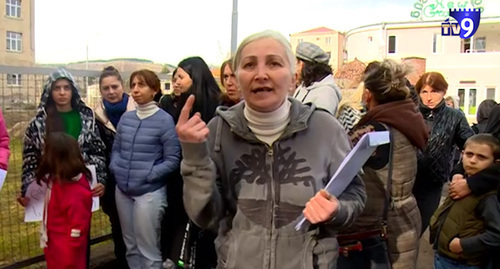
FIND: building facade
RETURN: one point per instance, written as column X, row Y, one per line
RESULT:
column 331, row 41
column 470, row 66
column 17, row 33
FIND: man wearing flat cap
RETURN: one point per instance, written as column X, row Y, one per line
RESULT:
column 317, row 85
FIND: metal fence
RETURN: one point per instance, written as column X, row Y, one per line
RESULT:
column 20, row 90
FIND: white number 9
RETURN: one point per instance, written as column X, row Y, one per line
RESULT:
column 468, row 25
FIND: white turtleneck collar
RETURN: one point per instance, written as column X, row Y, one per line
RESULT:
column 146, row 110
column 268, row 126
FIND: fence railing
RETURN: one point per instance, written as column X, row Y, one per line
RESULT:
column 20, row 90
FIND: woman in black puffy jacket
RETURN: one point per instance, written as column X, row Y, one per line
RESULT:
column 447, row 127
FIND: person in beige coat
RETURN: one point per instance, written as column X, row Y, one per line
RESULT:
column 386, row 234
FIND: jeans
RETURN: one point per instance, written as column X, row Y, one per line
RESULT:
column 373, row 256
column 441, row 262
column 140, row 219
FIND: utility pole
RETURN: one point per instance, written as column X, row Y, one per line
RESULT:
column 234, row 27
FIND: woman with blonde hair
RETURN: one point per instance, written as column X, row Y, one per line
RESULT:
column 386, row 234
column 256, row 167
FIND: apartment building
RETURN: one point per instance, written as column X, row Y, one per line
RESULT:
column 470, row 66
column 17, row 24
column 17, row 41
column 331, row 41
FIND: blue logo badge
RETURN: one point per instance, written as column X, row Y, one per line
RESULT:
column 468, row 20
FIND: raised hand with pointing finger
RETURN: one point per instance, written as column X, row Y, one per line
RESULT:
column 191, row 130
column 252, row 168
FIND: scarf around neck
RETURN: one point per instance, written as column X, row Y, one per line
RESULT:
column 116, row 110
column 403, row 116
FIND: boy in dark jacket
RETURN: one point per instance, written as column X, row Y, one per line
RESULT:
column 462, row 231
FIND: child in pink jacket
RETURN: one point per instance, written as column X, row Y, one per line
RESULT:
column 4, row 144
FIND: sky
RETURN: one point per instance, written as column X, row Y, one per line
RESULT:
column 167, row 31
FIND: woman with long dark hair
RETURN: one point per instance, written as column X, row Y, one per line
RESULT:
column 192, row 77
column 62, row 110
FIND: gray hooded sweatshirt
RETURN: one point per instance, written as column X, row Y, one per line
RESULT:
column 324, row 94
column 255, row 193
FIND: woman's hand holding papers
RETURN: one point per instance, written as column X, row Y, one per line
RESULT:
column 322, row 207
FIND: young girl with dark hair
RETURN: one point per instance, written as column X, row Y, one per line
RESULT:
column 68, row 202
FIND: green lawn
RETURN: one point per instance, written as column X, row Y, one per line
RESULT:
column 19, row 240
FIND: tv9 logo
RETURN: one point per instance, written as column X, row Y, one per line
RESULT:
column 466, row 25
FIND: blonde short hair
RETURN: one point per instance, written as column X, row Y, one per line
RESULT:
column 261, row 35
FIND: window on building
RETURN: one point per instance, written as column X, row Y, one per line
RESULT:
column 490, row 93
column 472, row 101
column 437, row 43
column 13, row 8
column 392, row 44
column 465, row 45
column 13, row 79
column 301, row 40
column 479, row 44
column 328, row 40
column 461, row 97
column 14, row 41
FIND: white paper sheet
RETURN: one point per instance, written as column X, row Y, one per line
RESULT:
column 3, row 175
column 93, row 183
column 351, row 165
column 36, row 194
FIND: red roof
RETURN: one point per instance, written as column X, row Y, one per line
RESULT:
column 318, row 30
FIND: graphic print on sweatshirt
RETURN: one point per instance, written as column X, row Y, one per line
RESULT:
column 287, row 168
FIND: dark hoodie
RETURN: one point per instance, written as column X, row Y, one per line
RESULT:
column 91, row 144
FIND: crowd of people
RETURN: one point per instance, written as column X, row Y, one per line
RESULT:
column 211, row 178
